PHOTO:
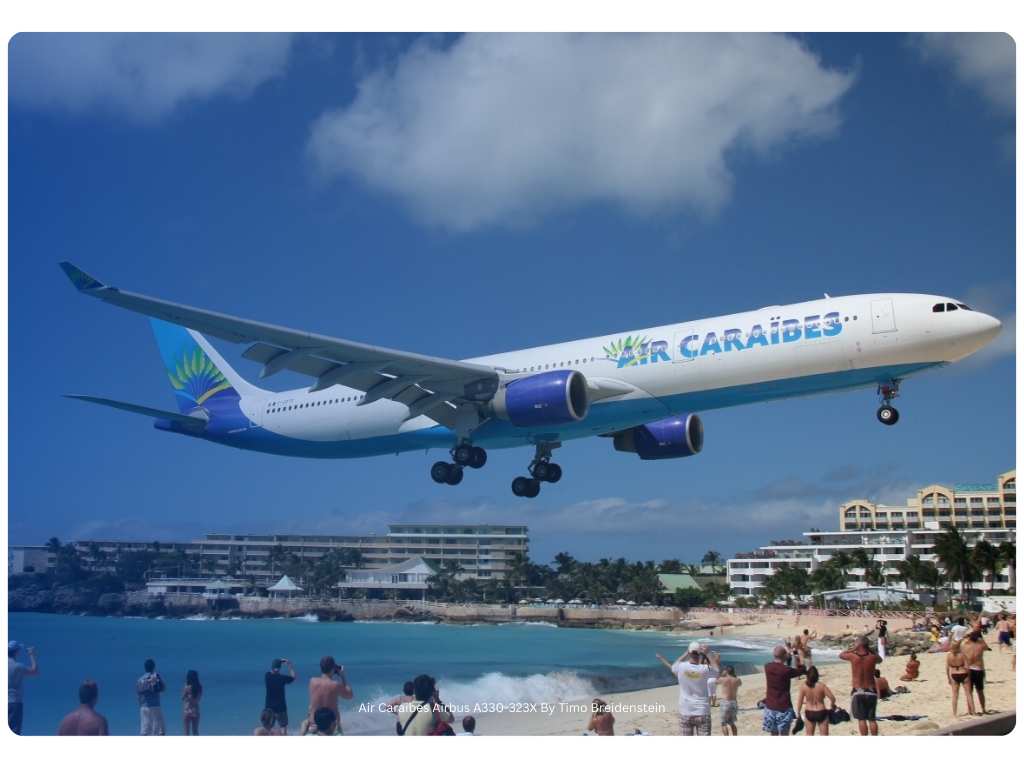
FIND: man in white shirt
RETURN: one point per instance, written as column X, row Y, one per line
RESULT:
column 693, row 670
column 958, row 631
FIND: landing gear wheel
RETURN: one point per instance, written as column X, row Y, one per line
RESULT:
column 520, row 485
column 541, row 471
column 554, row 473
column 455, row 476
column 888, row 415
column 477, row 458
column 462, row 454
column 533, row 489
column 440, row 471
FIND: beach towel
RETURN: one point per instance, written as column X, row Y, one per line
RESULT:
column 899, row 718
column 837, row 716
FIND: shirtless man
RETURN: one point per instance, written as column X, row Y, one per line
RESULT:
column 728, row 706
column 974, row 647
column 912, row 669
column 324, row 691
column 1003, row 628
column 85, row 721
column 864, row 697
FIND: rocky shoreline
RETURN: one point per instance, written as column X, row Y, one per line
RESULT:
column 94, row 602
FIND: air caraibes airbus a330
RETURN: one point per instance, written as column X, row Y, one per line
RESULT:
column 643, row 388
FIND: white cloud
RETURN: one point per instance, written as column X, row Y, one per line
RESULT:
column 984, row 61
column 503, row 129
column 141, row 76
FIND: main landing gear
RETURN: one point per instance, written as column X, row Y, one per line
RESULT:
column 541, row 470
column 464, row 454
column 888, row 390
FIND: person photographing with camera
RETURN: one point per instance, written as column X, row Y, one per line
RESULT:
column 149, row 687
column 324, row 691
column 693, row 670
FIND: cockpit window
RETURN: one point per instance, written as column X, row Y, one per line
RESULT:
column 964, row 306
column 951, row 307
column 939, row 308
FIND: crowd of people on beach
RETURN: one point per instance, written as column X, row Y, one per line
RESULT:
column 700, row 679
column 703, row 685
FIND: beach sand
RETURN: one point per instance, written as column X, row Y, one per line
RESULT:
column 929, row 695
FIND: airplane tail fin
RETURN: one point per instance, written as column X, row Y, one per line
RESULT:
column 200, row 376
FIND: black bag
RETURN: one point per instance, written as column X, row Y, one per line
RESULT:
column 837, row 716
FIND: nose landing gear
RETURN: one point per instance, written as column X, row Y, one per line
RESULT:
column 888, row 390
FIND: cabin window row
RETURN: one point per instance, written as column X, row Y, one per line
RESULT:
column 278, row 409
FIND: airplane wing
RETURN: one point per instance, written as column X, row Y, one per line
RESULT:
column 381, row 373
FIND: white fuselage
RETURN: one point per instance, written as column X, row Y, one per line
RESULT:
column 797, row 350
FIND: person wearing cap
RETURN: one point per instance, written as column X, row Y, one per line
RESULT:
column 16, row 672
column 693, row 670
column 275, row 683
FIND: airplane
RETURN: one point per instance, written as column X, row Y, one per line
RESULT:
column 641, row 388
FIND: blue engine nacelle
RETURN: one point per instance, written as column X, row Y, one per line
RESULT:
column 671, row 438
column 545, row 399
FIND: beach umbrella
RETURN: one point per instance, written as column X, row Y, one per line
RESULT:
column 620, row 602
column 559, row 601
column 524, row 602
column 646, row 603
column 630, row 603
column 575, row 601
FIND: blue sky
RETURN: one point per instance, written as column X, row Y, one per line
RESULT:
column 465, row 195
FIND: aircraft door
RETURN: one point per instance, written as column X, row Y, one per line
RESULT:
column 686, row 347
column 256, row 413
column 882, row 318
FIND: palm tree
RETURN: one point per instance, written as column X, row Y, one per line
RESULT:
column 670, row 566
column 954, row 553
column 985, row 557
column 908, row 569
column 827, row 578
column 1008, row 559
column 712, row 559
column 874, row 574
column 518, row 568
column 843, row 562
column 276, row 557
column 930, row 577
column 565, row 562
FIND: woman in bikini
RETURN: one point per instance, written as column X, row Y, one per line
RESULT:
column 813, row 694
column 958, row 675
column 191, row 695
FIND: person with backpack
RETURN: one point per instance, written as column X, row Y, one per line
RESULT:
column 148, row 688
column 426, row 715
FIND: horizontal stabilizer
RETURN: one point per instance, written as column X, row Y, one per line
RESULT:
column 193, row 422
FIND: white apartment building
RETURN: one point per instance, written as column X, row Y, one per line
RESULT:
column 891, row 534
column 483, row 551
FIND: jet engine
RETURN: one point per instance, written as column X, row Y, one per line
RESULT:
column 544, row 399
column 670, row 438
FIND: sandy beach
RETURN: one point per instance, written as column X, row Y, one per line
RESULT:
column 655, row 710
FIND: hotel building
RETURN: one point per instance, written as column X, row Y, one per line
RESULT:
column 483, row 551
column 890, row 534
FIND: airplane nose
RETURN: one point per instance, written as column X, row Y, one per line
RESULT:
column 988, row 327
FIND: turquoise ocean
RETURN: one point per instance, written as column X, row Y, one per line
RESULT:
column 486, row 665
